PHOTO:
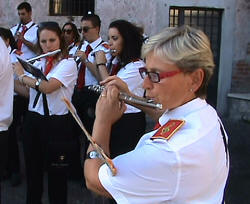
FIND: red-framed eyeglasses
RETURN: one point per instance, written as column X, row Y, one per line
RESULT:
column 155, row 77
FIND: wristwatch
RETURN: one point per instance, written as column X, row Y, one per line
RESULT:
column 93, row 155
column 38, row 82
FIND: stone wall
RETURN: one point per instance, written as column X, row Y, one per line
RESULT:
column 140, row 12
column 239, row 106
column 40, row 12
column 241, row 63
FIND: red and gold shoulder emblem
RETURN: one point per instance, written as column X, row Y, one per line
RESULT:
column 166, row 131
column 105, row 45
column 18, row 52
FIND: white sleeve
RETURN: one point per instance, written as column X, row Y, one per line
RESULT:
column 67, row 72
column 130, row 74
column 148, row 174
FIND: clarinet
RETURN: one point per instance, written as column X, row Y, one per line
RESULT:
column 129, row 99
column 18, row 27
column 78, row 48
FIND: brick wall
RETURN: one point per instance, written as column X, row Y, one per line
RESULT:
column 241, row 74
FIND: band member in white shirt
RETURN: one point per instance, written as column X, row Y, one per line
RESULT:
column 185, row 159
column 6, row 101
column 25, row 32
column 84, row 99
column 47, row 127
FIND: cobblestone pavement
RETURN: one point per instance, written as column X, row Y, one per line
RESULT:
column 238, row 184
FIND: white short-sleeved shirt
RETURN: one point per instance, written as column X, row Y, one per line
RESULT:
column 65, row 72
column 30, row 35
column 7, row 87
column 72, row 49
column 130, row 74
column 191, row 167
column 97, row 45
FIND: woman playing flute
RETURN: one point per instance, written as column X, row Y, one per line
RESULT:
column 126, row 51
column 47, row 125
column 185, row 159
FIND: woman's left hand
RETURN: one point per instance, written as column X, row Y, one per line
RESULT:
column 18, row 69
column 116, row 81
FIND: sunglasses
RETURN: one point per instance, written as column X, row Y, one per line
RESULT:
column 155, row 77
column 68, row 31
column 85, row 29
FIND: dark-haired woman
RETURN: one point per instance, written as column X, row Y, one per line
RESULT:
column 71, row 37
column 125, row 41
column 8, row 39
column 47, row 128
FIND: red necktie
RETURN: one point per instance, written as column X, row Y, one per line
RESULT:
column 20, row 42
column 157, row 125
column 81, row 75
column 49, row 65
column 115, row 69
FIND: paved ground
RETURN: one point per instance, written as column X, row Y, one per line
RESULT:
column 238, row 184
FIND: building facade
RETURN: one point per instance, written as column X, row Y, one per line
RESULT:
column 226, row 22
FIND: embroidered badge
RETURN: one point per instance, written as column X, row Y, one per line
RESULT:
column 18, row 52
column 166, row 131
column 105, row 45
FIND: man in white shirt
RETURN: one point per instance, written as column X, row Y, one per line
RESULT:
column 25, row 32
column 6, row 103
column 84, row 99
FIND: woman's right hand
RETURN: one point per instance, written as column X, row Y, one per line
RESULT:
column 81, row 55
column 100, row 57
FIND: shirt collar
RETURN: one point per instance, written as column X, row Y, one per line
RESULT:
column 94, row 44
column 115, row 60
column 181, row 111
column 28, row 24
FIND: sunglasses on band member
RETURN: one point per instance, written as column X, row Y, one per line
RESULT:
column 85, row 29
column 155, row 77
column 68, row 31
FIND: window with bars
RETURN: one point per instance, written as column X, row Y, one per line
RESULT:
column 208, row 20
column 71, row 7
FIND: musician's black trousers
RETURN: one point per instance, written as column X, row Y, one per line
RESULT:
column 84, row 101
column 48, row 144
column 3, row 154
column 20, row 107
column 126, row 133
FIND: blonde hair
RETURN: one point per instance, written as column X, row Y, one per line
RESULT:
column 187, row 47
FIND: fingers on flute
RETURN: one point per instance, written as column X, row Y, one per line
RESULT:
column 104, row 93
column 122, row 106
column 107, row 80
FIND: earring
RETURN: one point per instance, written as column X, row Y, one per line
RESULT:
column 191, row 90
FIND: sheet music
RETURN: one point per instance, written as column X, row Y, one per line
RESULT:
column 32, row 69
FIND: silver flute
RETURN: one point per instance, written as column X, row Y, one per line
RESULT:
column 129, row 99
column 44, row 55
column 109, row 51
